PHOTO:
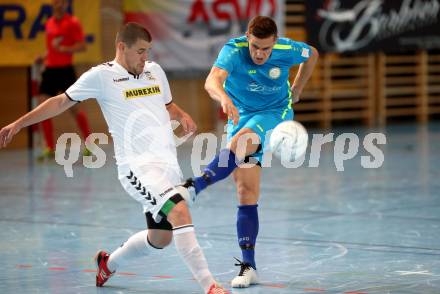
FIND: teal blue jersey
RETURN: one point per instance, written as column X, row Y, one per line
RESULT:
column 255, row 87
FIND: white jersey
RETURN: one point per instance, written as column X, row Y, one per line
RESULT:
column 134, row 107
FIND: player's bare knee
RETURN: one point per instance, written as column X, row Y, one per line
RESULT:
column 179, row 215
column 246, row 192
column 159, row 238
column 244, row 143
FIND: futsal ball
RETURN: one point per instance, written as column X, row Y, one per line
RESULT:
column 288, row 140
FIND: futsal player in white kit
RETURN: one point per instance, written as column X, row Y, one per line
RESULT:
column 136, row 101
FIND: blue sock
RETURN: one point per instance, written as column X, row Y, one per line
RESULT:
column 218, row 169
column 247, row 231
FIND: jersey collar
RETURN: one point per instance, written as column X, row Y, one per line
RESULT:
column 135, row 76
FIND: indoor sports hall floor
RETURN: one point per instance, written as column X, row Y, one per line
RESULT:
column 321, row 231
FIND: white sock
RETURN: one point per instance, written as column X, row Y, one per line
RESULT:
column 136, row 246
column 190, row 251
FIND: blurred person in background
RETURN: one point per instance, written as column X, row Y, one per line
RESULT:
column 64, row 37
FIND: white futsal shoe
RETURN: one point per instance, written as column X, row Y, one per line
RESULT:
column 246, row 277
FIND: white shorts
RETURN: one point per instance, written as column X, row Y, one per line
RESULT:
column 152, row 186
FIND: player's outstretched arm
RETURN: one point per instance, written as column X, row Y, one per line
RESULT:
column 304, row 73
column 47, row 109
column 214, row 87
column 188, row 124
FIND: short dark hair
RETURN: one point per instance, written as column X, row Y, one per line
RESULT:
column 130, row 32
column 262, row 27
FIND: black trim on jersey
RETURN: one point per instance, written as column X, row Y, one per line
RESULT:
column 70, row 98
column 166, row 104
column 134, row 75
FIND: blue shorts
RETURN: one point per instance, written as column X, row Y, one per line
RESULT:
column 260, row 122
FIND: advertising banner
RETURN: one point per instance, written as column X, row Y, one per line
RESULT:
column 22, row 30
column 188, row 34
column 373, row 25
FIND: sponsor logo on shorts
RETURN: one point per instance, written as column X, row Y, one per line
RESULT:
column 140, row 92
column 166, row 192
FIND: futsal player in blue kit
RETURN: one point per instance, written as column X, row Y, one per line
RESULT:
column 250, row 80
